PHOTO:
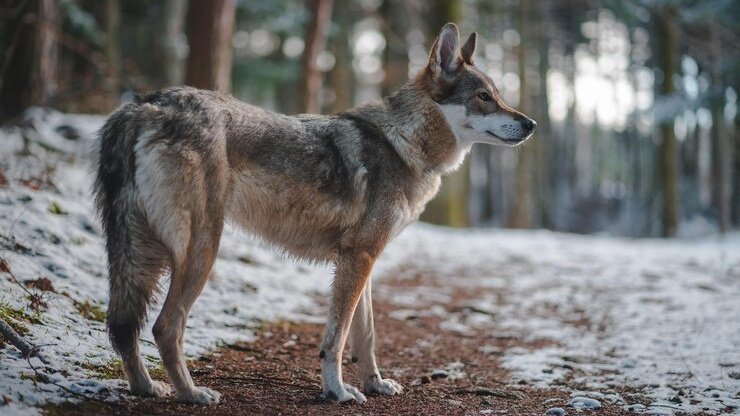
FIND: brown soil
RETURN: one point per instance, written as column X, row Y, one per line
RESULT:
column 279, row 374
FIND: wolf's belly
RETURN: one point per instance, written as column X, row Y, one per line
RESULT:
column 292, row 215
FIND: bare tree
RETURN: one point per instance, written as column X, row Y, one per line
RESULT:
column 341, row 76
column 736, row 169
column 721, row 192
column 30, row 66
column 395, row 55
column 523, row 210
column 112, row 20
column 167, row 65
column 210, row 26
column 668, row 61
column 310, row 80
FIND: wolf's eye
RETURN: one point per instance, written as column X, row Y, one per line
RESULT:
column 484, row 96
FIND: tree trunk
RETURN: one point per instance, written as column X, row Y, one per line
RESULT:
column 112, row 20
column 395, row 55
column 522, row 215
column 29, row 74
column 341, row 75
column 720, row 149
column 542, row 143
column 668, row 61
column 167, row 65
column 310, row 80
column 210, row 28
column 736, row 169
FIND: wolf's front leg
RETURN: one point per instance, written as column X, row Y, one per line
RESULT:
column 362, row 342
column 352, row 271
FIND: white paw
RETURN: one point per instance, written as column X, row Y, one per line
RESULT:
column 199, row 395
column 155, row 389
column 346, row 394
column 356, row 394
column 388, row 387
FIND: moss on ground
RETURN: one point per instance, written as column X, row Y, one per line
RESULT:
column 17, row 318
column 90, row 311
column 107, row 371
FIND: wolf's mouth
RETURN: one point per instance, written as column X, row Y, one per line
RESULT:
column 492, row 134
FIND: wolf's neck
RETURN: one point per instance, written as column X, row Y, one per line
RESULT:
column 417, row 129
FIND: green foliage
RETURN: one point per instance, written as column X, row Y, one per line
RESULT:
column 56, row 209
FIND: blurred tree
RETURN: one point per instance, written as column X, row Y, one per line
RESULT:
column 210, row 26
column 29, row 71
column 545, row 148
column 341, row 75
column 167, row 64
column 667, row 52
column 522, row 213
column 112, row 49
column 736, row 179
column 721, row 192
column 315, row 40
column 395, row 54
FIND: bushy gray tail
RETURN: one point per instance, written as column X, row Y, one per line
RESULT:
column 114, row 188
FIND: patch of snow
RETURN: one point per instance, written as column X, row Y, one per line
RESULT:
column 452, row 371
column 580, row 402
column 658, row 315
column 556, row 411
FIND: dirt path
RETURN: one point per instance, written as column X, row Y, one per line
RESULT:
column 443, row 371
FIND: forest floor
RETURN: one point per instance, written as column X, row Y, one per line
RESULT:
column 435, row 338
column 443, row 373
column 469, row 321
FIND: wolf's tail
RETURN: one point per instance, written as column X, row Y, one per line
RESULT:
column 114, row 190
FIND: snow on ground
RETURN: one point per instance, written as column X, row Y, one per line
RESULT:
column 660, row 316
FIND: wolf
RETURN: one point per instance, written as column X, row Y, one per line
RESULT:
column 173, row 165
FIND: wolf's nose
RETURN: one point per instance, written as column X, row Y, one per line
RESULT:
column 529, row 124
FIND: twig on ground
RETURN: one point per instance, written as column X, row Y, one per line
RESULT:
column 46, row 379
column 482, row 391
column 35, row 299
column 28, row 350
column 23, row 346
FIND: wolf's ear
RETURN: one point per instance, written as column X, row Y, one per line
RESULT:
column 444, row 58
column 468, row 50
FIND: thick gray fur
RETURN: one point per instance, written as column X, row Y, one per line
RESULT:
column 175, row 164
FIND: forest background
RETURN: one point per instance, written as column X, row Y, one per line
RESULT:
column 636, row 101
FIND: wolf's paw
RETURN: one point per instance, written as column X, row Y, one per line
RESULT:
column 385, row 386
column 346, row 394
column 199, row 395
column 155, row 389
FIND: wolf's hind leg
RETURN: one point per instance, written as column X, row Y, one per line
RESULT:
column 352, row 271
column 362, row 342
column 188, row 278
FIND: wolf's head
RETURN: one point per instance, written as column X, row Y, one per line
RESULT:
column 468, row 98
